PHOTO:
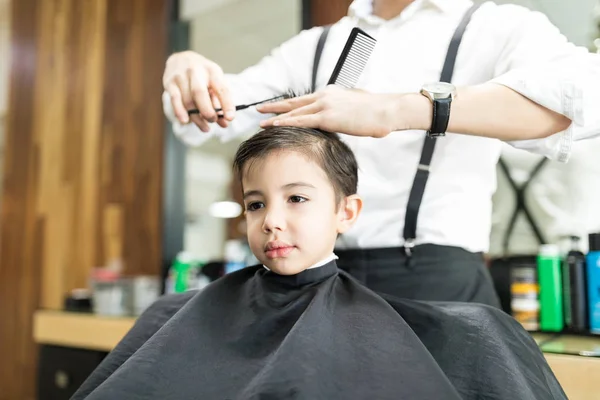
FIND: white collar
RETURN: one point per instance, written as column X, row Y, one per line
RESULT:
column 363, row 9
column 324, row 261
column 318, row 264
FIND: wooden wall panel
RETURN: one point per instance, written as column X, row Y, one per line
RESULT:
column 83, row 166
column 328, row 12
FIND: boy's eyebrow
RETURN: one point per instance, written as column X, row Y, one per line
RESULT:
column 252, row 193
column 286, row 186
column 298, row 184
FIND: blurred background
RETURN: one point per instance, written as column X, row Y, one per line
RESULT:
column 103, row 209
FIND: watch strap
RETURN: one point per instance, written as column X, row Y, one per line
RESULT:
column 441, row 117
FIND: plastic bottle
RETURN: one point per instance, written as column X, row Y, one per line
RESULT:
column 525, row 305
column 201, row 279
column 593, row 278
column 574, row 288
column 182, row 274
column 235, row 256
column 551, row 292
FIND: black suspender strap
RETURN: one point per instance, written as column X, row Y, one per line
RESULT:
column 318, row 52
column 521, row 205
column 422, row 174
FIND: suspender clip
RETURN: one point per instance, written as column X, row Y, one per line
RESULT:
column 408, row 246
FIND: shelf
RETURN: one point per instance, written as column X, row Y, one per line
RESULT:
column 86, row 331
column 577, row 375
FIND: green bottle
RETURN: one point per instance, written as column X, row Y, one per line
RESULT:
column 184, row 271
column 551, row 290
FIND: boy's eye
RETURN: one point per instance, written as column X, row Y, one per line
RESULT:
column 254, row 206
column 298, row 199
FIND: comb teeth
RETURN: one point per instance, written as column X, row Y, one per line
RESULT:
column 353, row 59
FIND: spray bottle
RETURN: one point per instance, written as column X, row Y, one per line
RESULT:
column 182, row 274
column 235, row 256
column 574, row 288
column 551, row 292
column 593, row 278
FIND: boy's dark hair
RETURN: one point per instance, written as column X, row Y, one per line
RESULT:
column 326, row 149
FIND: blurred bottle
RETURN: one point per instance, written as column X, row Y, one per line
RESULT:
column 574, row 288
column 182, row 274
column 250, row 257
column 551, row 292
column 202, row 280
column 525, row 305
column 235, row 256
column 593, row 278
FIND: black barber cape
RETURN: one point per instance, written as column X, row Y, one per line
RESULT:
column 320, row 334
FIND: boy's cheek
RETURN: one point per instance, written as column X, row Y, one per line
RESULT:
column 253, row 223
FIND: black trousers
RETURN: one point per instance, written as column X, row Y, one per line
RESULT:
column 436, row 273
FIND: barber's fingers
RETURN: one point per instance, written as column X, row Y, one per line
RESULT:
column 175, row 85
column 217, row 105
column 190, row 80
column 310, row 109
column 181, row 100
column 177, row 102
column 218, row 86
column 215, row 100
column 198, row 79
column 284, row 106
column 200, row 122
column 302, row 121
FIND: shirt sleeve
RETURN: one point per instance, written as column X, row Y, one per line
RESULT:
column 286, row 68
column 539, row 62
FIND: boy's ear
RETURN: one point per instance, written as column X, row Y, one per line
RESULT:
column 348, row 212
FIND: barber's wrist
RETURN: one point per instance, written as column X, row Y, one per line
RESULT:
column 411, row 111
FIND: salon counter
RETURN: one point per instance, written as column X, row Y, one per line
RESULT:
column 79, row 330
column 574, row 359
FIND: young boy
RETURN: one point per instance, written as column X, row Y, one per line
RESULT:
column 299, row 190
column 296, row 327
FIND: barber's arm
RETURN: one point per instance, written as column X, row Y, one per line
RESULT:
column 489, row 110
column 542, row 65
column 546, row 95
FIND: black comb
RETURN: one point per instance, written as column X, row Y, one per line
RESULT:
column 353, row 59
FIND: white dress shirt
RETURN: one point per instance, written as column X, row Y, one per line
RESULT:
column 505, row 43
column 563, row 199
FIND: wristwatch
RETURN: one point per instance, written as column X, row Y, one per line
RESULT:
column 441, row 95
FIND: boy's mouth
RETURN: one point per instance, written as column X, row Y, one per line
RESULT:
column 278, row 249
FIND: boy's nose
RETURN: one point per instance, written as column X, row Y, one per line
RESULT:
column 274, row 221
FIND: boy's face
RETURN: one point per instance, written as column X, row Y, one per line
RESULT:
column 291, row 214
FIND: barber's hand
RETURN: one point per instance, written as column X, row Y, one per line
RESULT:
column 335, row 109
column 194, row 81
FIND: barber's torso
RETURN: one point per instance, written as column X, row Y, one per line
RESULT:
column 456, row 206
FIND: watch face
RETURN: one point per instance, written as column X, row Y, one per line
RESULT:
column 441, row 88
